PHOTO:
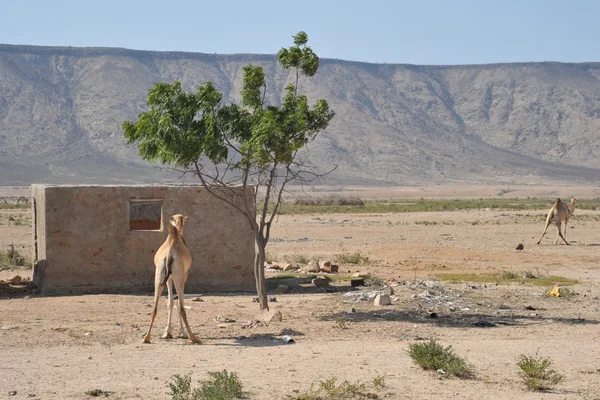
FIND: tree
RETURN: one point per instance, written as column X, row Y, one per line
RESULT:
column 252, row 144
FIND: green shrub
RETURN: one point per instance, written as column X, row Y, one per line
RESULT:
column 537, row 374
column 433, row 356
column 328, row 389
column 351, row 258
column 11, row 259
column 222, row 386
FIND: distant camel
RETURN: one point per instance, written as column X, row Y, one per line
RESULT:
column 23, row 200
column 560, row 212
column 173, row 261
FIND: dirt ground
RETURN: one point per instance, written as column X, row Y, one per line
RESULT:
column 61, row 347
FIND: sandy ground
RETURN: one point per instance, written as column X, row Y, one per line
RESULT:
column 61, row 347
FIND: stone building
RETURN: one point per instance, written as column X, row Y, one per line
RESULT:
column 102, row 239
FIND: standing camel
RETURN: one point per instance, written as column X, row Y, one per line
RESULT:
column 173, row 261
column 560, row 212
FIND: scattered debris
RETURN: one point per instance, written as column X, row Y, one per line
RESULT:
column 351, row 310
column 197, row 299
column 224, row 319
column 520, row 246
column 288, row 339
column 432, row 314
column 556, row 292
column 253, row 324
column 272, row 299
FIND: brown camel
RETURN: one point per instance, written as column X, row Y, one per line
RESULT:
column 560, row 212
column 173, row 261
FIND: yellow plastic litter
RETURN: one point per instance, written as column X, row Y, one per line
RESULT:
column 554, row 292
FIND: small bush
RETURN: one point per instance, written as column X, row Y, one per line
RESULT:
column 97, row 393
column 11, row 259
column 373, row 280
column 510, row 275
column 351, row 258
column 329, row 201
column 537, row 374
column 222, row 386
column 328, row 389
column 433, row 356
column 297, row 258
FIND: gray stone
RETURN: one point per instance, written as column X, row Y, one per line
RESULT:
column 312, row 266
column 320, row 281
column 291, row 267
column 382, row 300
column 282, row 288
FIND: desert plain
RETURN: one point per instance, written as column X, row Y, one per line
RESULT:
column 445, row 269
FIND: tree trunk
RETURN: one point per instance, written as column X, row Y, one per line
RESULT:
column 259, row 274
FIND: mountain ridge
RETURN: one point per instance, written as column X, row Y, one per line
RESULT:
column 61, row 110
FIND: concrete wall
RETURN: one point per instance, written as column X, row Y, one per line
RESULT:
column 84, row 242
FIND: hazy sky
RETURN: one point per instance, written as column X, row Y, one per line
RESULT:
column 416, row 32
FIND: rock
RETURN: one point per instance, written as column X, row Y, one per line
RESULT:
column 272, row 266
column 282, row 288
column 335, row 268
column 16, row 279
column 272, row 299
column 351, row 310
column 388, row 290
column 325, row 266
column 271, row 316
column 359, row 274
column 357, row 282
column 382, row 300
column 320, row 281
column 291, row 267
column 520, row 246
column 312, row 266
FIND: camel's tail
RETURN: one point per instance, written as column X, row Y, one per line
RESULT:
column 167, row 267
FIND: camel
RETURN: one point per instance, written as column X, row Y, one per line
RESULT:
column 560, row 212
column 173, row 261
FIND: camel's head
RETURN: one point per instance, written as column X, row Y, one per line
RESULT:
column 178, row 220
column 573, row 201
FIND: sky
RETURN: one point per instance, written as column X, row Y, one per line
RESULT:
column 429, row 32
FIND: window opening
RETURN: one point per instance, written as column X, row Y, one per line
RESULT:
column 145, row 215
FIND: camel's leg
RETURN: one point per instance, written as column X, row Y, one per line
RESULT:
column 561, row 235
column 158, row 287
column 565, row 234
column 182, row 333
column 548, row 221
column 179, row 286
column 169, row 329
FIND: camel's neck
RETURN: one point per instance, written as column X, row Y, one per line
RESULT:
column 572, row 209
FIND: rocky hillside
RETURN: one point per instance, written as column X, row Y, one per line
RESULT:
column 61, row 111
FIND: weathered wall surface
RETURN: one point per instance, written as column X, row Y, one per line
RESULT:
column 84, row 242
